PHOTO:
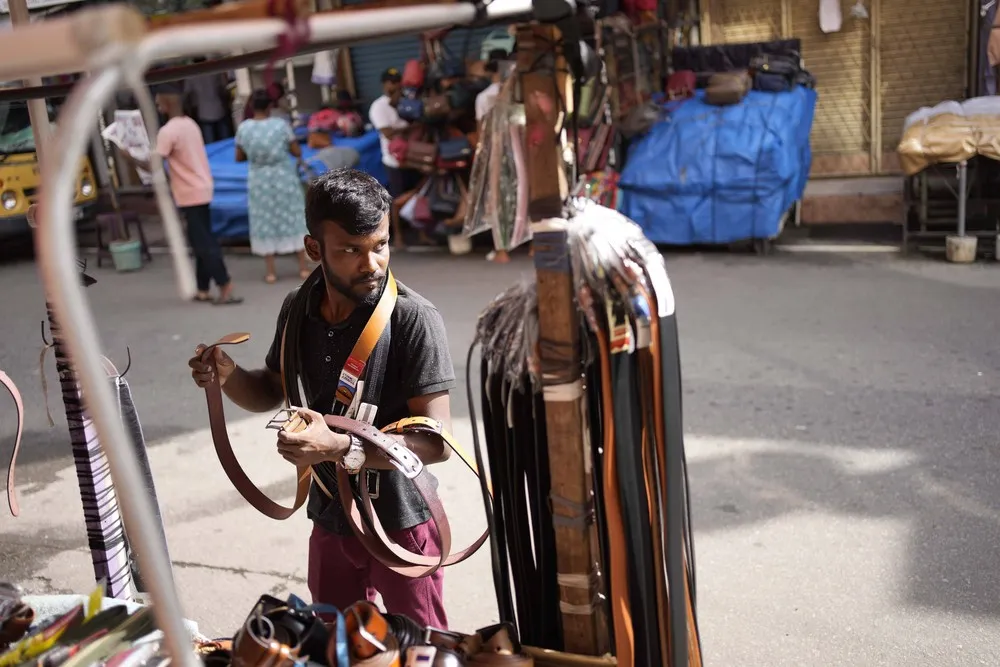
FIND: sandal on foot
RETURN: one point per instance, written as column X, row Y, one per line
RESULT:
column 202, row 298
column 228, row 301
column 270, row 279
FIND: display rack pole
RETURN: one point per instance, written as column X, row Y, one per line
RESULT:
column 580, row 579
column 105, row 532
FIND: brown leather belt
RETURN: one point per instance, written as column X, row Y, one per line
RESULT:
column 360, row 517
column 621, row 610
column 9, row 385
column 224, row 448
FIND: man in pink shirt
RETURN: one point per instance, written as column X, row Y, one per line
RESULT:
column 180, row 144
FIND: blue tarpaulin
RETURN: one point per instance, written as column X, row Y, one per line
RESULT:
column 720, row 174
column 229, row 204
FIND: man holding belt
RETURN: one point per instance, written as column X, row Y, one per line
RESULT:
column 347, row 214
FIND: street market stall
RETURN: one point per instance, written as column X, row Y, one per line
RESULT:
column 587, row 258
column 949, row 154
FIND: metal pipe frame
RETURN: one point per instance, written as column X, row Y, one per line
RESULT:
column 126, row 62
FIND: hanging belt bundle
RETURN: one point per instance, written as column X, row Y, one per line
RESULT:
column 645, row 578
column 362, row 371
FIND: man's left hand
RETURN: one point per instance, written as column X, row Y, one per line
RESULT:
column 314, row 444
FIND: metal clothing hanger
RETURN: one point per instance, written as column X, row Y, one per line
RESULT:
column 114, row 43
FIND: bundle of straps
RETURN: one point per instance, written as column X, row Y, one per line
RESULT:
column 642, row 577
column 355, row 406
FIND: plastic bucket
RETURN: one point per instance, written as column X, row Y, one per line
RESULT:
column 459, row 244
column 126, row 255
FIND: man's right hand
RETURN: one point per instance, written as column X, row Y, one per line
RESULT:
column 204, row 372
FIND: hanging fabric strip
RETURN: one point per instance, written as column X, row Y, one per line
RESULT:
column 105, row 530
column 130, row 420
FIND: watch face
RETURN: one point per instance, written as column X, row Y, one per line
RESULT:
column 354, row 458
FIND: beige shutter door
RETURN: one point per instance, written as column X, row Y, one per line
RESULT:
column 924, row 46
column 870, row 75
column 841, row 63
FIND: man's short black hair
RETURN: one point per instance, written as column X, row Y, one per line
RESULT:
column 349, row 198
column 261, row 100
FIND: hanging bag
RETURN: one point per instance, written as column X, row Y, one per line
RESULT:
column 410, row 109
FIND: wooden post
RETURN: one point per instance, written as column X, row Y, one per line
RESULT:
column 543, row 85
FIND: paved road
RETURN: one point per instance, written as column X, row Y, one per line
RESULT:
column 842, row 418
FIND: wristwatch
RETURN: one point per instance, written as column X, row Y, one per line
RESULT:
column 354, row 457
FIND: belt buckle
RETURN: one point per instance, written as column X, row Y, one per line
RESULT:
column 286, row 419
column 374, row 482
column 445, row 638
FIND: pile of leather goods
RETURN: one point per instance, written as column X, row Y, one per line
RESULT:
column 644, row 580
column 276, row 633
column 280, row 633
column 355, row 405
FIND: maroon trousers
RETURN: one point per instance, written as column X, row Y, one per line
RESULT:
column 341, row 572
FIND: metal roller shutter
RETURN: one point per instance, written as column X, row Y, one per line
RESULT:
column 841, row 63
column 923, row 62
column 455, row 42
column 369, row 60
column 740, row 21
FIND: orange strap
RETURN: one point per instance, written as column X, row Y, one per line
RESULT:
column 621, row 608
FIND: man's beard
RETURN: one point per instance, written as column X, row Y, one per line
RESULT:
column 369, row 299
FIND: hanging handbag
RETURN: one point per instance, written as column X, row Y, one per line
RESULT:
column 460, row 97
column 452, row 68
column 410, row 109
column 444, row 197
column 420, row 155
column 436, row 107
column 398, row 147
column 413, row 73
column 422, row 214
column 455, row 148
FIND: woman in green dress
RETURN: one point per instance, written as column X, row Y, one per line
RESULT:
column 274, row 189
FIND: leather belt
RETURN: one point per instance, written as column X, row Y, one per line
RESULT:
column 618, row 543
column 224, row 448
column 9, row 385
column 362, row 517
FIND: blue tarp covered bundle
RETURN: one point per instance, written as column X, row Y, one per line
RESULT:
column 229, row 204
column 720, row 174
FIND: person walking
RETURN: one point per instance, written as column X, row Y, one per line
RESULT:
column 384, row 118
column 347, row 212
column 274, row 188
column 210, row 106
column 486, row 99
column 180, row 144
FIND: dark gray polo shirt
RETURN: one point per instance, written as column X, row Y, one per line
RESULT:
column 419, row 363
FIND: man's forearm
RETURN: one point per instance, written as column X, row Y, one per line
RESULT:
column 428, row 448
column 254, row 391
column 136, row 162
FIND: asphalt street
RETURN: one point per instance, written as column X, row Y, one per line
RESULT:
column 842, row 417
